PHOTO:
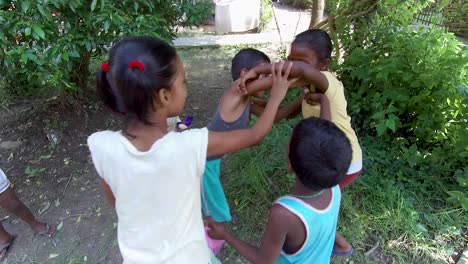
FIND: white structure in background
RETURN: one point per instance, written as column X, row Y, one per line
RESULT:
column 236, row 15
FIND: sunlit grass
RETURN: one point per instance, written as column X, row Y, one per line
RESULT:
column 411, row 224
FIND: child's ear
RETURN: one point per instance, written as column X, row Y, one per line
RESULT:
column 164, row 96
column 243, row 72
column 290, row 169
column 325, row 63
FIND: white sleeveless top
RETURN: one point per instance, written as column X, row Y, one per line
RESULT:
column 157, row 195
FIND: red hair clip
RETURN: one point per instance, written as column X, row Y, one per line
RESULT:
column 136, row 64
column 105, row 67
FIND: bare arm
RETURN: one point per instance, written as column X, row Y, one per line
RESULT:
column 224, row 142
column 305, row 72
column 259, row 102
column 317, row 98
column 272, row 241
column 293, row 109
column 264, row 84
column 288, row 111
column 257, row 109
column 107, row 192
column 258, row 85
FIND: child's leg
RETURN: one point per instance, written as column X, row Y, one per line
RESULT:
column 354, row 170
column 348, row 179
column 342, row 247
column 214, row 201
column 10, row 202
column 5, row 238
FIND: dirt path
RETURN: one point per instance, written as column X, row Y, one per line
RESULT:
column 59, row 180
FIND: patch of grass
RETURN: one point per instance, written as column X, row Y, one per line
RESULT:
column 56, row 124
column 402, row 208
column 78, row 260
column 5, row 97
column 226, row 51
column 33, row 173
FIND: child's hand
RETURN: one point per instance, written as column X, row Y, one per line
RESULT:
column 217, row 230
column 250, row 75
column 304, row 92
column 314, row 98
column 280, row 80
column 318, row 98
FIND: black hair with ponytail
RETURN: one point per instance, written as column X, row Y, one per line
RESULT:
column 131, row 90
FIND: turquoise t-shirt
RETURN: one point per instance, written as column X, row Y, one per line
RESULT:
column 320, row 227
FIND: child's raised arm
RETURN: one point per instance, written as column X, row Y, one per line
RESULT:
column 306, row 73
column 314, row 98
column 220, row 143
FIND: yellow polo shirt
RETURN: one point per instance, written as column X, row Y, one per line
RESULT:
column 340, row 117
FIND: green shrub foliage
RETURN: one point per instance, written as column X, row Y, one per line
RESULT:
column 50, row 43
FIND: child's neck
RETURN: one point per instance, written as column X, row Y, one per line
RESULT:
column 300, row 189
column 319, row 200
column 143, row 136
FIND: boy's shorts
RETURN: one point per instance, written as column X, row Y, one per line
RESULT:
column 355, row 169
column 214, row 201
column 4, row 182
column 214, row 259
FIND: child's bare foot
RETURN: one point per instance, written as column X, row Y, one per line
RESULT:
column 46, row 230
column 342, row 251
column 5, row 245
column 341, row 247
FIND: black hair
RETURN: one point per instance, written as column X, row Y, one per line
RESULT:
column 247, row 59
column 130, row 90
column 319, row 153
column 317, row 40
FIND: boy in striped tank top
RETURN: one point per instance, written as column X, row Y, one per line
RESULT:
column 302, row 225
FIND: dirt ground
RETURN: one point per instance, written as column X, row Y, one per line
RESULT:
column 57, row 181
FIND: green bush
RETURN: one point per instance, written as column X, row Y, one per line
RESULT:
column 403, row 82
column 408, row 86
column 49, row 44
column 195, row 12
column 266, row 14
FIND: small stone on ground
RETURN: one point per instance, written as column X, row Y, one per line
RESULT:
column 9, row 145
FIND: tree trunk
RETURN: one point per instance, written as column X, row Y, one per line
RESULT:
column 318, row 6
column 81, row 70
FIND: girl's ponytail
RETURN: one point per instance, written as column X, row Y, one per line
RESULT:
column 139, row 67
column 105, row 92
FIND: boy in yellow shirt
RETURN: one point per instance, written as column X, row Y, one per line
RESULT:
column 311, row 55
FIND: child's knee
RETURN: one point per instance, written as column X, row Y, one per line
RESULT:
column 11, row 203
